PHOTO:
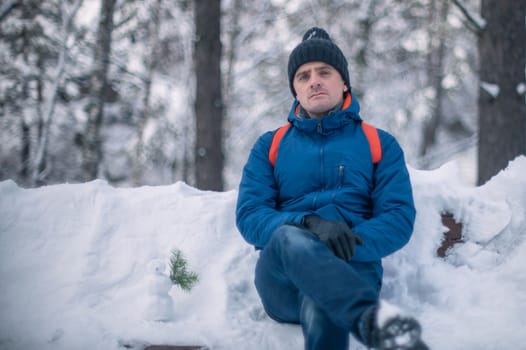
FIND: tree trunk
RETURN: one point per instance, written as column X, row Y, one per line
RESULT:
column 209, row 157
column 151, row 61
column 25, row 151
column 365, row 33
column 502, row 112
column 231, row 55
column 435, row 71
column 92, row 144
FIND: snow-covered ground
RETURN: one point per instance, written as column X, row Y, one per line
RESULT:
column 85, row 267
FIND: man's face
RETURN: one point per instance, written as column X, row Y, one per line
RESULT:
column 319, row 88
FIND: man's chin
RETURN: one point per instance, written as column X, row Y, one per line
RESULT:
column 318, row 112
column 321, row 108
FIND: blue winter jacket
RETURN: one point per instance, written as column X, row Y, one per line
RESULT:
column 324, row 167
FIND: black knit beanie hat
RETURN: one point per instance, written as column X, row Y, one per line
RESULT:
column 316, row 45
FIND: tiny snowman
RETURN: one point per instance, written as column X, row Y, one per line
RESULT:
column 158, row 302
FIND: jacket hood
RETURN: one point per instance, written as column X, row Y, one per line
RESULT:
column 349, row 112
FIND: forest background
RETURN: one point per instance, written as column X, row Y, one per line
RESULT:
column 153, row 92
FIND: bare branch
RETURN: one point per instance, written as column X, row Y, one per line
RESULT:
column 38, row 170
column 473, row 18
column 7, row 7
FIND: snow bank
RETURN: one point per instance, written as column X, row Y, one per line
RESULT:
column 80, row 267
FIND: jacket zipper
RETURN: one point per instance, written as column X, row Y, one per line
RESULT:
column 322, row 155
column 341, row 170
column 319, row 129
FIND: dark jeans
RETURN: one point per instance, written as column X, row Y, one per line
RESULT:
column 299, row 280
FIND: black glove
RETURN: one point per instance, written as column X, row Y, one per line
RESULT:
column 337, row 235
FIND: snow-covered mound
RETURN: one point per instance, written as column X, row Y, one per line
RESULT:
column 86, row 267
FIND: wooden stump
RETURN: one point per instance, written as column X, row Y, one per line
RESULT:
column 452, row 236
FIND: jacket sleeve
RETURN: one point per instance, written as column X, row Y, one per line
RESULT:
column 393, row 213
column 257, row 209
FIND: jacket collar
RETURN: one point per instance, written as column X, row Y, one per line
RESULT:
column 334, row 120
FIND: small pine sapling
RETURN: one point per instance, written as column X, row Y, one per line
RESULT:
column 179, row 274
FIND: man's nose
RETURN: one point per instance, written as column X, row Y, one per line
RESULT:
column 315, row 82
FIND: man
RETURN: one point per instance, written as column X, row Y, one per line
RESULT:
column 324, row 213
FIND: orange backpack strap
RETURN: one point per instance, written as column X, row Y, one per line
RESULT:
column 374, row 141
column 276, row 139
column 371, row 133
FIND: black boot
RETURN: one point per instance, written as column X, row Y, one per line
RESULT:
column 396, row 333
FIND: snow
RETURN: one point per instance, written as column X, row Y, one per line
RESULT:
column 491, row 89
column 85, row 266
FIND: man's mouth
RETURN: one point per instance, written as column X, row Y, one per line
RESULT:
column 317, row 94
